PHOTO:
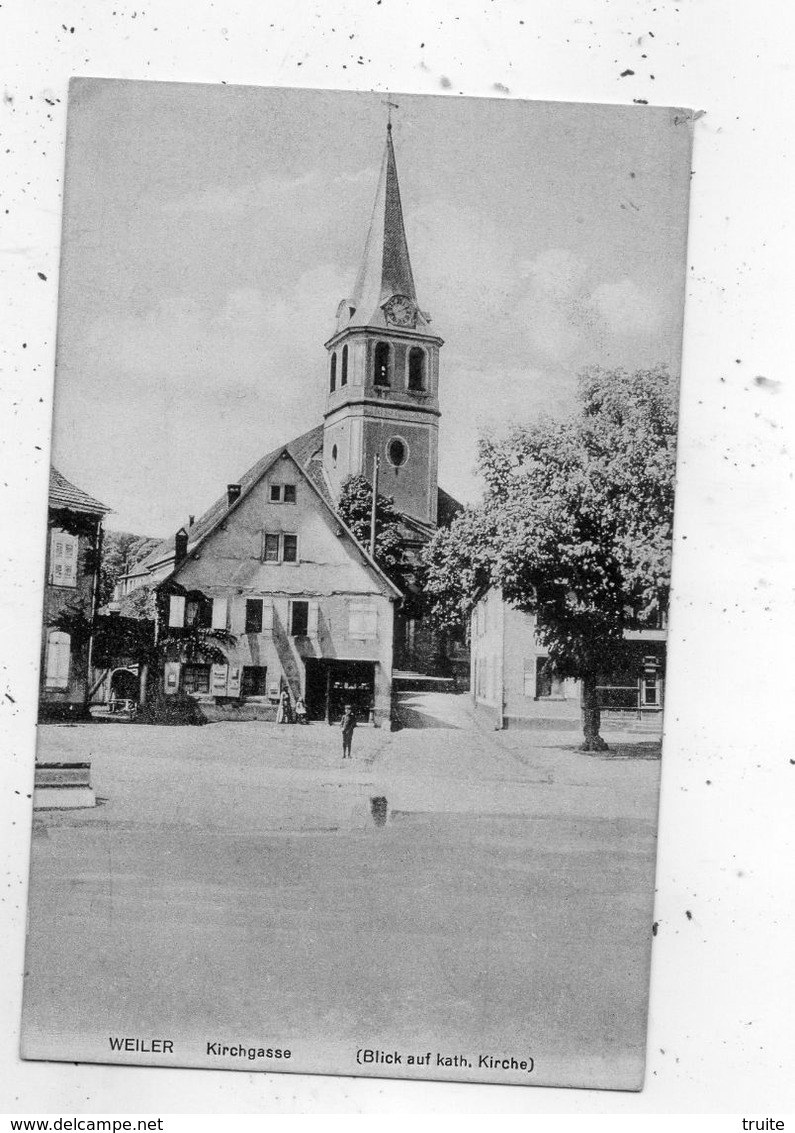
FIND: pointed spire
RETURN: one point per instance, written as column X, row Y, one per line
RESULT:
column 386, row 267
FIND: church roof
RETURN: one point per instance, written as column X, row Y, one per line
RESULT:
column 386, row 267
column 64, row 494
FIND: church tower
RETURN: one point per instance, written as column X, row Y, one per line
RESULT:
column 383, row 369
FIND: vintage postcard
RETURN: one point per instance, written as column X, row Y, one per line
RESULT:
column 357, row 574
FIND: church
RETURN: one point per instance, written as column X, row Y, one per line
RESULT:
column 269, row 589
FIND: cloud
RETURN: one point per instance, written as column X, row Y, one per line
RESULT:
column 548, row 311
column 266, row 192
column 627, row 308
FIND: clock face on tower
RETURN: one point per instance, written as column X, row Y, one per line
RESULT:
column 401, row 311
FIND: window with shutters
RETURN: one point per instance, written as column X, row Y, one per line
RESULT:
column 63, row 558
column 299, row 618
column 196, row 678
column 57, row 660
column 362, row 620
column 255, row 680
column 253, row 615
column 198, row 611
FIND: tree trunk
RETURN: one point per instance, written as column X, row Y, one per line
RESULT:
column 143, row 677
column 591, row 716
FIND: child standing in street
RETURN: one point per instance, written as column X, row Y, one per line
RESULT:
column 348, row 723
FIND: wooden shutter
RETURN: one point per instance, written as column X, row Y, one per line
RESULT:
column 63, row 558
column 312, row 621
column 219, row 613
column 267, row 615
column 362, row 619
column 233, row 681
column 176, row 611
column 59, row 650
column 238, row 616
column 218, row 679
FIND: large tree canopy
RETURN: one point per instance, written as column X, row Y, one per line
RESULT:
column 355, row 506
column 576, row 523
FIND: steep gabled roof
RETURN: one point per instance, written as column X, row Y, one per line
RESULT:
column 304, row 452
column 63, row 494
column 302, row 449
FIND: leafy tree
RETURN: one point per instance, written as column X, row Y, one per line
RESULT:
column 196, row 644
column 121, row 551
column 355, row 506
column 575, row 526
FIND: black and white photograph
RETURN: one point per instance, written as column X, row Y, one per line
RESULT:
column 358, row 565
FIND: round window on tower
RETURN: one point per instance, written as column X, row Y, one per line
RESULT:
column 397, row 452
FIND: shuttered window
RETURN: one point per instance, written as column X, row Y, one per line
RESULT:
column 196, row 678
column 59, row 650
column 254, row 615
column 63, row 558
column 176, row 611
column 299, row 618
column 219, row 613
column 362, row 620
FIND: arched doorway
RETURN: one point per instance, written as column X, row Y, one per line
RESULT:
column 124, row 689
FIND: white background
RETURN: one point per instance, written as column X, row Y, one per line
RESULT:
column 722, row 997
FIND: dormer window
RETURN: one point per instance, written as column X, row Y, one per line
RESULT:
column 333, row 378
column 381, row 366
column 416, row 368
column 344, row 374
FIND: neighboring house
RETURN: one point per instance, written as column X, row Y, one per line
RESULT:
column 512, row 684
column 272, row 563
column 74, row 536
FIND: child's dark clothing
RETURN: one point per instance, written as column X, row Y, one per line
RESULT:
column 347, row 723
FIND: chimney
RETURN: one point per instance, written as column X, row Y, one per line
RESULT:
column 232, row 494
column 180, row 546
column 191, row 521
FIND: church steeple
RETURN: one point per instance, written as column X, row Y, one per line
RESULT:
column 385, row 272
column 383, row 370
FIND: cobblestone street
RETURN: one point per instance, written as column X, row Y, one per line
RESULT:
column 451, row 889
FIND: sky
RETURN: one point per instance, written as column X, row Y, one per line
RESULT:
column 210, row 232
